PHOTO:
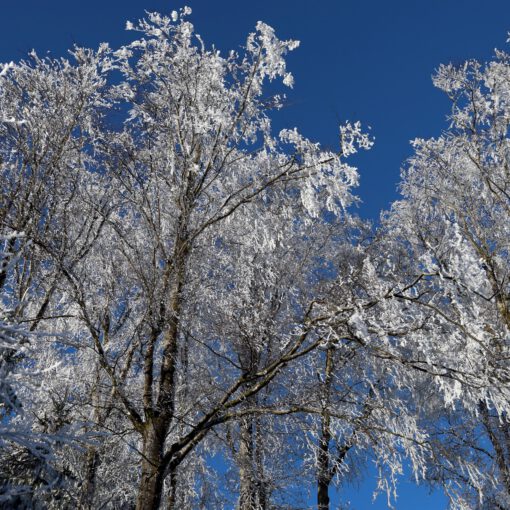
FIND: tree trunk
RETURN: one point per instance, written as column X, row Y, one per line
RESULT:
column 261, row 485
column 324, row 469
column 323, row 496
column 172, row 491
column 92, row 458
column 246, row 492
column 159, row 414
column 151, row 484
column 89, row 483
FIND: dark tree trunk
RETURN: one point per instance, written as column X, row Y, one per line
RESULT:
column 324, row 468
column 89, row 483
column 159, row 412
column 323, row 495
column 151, row 484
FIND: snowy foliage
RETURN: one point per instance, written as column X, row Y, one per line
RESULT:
column 452, row 228
column 194, row 318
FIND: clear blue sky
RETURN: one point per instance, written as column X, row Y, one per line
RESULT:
column 368, row 60
column 359, row 60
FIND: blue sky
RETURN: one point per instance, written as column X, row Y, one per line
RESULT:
column 359, row 60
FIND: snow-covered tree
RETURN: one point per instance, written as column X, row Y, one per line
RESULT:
column 174, row 252
column 50, row 111
column 452, row 227
column 30, row 475
column 211, row 309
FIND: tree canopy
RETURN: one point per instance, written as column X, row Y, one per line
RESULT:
column 193, row 316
